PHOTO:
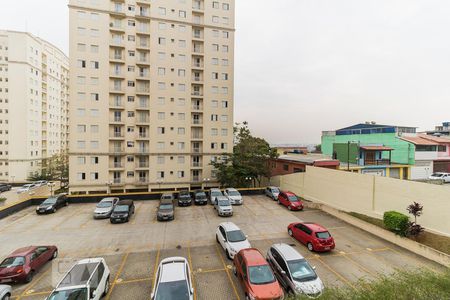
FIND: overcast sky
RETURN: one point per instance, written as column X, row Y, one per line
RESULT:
column 303, row 66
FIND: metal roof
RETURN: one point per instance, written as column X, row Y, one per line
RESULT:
column 376, row 148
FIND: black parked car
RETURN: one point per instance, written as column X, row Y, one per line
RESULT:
column 4, row 187
column 166, row 210
column 122, row 212
column 51, row 204
column 184, row 198
column 200, row 197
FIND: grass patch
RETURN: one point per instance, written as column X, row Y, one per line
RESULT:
column 403, row 285
column 435, row 241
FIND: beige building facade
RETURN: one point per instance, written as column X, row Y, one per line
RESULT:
column 152, row 86
column 34, row 96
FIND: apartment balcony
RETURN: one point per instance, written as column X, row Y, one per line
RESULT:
column 142, row 90
column 196, row 164
column 116, row 105
column 196, row 136
column 143, row 62
column 143, row 30
column 116, row 28
column 197, row 107
column 117, row 43
column 142, row 121
column 197, row 51
column 197, row 79
column 144, row 151
column 142, row 181
column 196, row 122
column 143, row 2
column 195, row 178
column 142, row 107
column 197, row 93
column 196, row 150
column 143, row 46
column 197, row 37
column 118, row 10
column 116, row 136
column 117, row 90
column 142, row 165
column 116, row 165
column 116, row 74
column 118, row 181
column 142, row 136
column 197, row 66
column 143, row 14
column 145, row 76
column 117, row 59
column 115, row 120
column 117, row 150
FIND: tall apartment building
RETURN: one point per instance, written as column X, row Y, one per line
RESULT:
column 152, row 85
column 34, row 96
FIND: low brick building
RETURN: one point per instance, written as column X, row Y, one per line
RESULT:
column 296, row 163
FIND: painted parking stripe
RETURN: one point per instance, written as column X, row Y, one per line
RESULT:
column 124, row 259
column 228, row 273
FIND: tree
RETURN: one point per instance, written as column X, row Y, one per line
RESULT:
column 54, row 168
column 318, row 148
column 248, row 162
column 416, row 210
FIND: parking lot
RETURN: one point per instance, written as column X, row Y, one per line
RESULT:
column 133, row 250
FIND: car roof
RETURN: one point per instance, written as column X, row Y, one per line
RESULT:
column 125, row 202
column 273, row 187
column 23, row 251
column 108, row 199
column 314, row 226
column 287, row 251
column 167, row 194
column 229, row 226
column 221, row 198
column 166, row 201
column 215, row 190
column 173, row 269
column 80, row 273
column 231, row 189
column 253, row 257
column 289, row 193
column 184, row 193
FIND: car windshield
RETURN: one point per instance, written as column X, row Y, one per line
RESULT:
column 233, row 193
column 224, row 203
column 172, row 290
column 74, row 294
column 323, row 235
column 121, row 208
column 260, row 274
column 275, row 190
column 49, row 201
column 200, row 195
column 26, row 186
column 166, row 206
column 13, row 262
column 104, row 204
column 235, row 236
column 166, row 197
column 301, row 270
column 437, row 174
column 215, row 194
column 293, row 198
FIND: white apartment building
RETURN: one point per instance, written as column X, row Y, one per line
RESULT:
column 34, row 96
column 152, row 86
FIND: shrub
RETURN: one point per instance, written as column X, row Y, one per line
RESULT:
column 396, row 222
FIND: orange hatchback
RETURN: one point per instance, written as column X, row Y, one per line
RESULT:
column 256, row 276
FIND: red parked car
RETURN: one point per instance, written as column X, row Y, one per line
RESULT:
column 290, row 200
column 314, row 236
column 256, row 276
column 22, row 264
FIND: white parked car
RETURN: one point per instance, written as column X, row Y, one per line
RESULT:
column 105, row 207
column 88, row 279
column 293, row 272
column 213, row 194
column 231, row 238
column 26, row 188
column 173, row 280
column 40, row 183
column 5, row 292
column 234, row 196
column 223, row 206
column 445, row 177
column 272, row 192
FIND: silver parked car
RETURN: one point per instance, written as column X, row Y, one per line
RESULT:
column 173, row 280
column 5, row 292
column 105, row 207
column 223, row 206
column 26, row 188
column 444, row 177
column 213, row 194
column 234, row 196
column 293, row 272
column 272, row 192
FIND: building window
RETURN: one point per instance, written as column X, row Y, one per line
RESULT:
column 285, row 167
column 180, row 174
column 81, row 176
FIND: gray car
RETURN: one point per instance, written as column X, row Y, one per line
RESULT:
column 105, row 207
column 272, row 192
column 293, row 271
column 5, row 292
column 166, row 210
column 223, row 206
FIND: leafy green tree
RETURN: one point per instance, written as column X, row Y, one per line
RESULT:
column 55, row 168
column 248, row 163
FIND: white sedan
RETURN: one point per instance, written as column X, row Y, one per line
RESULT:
column 445, row 177
column 231, row 238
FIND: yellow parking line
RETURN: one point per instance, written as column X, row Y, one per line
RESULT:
column 361, row 266
column 228, row 273
column 156, row 266
column 37, row 294
column 210, row 271
column 135, row 280
column 190, row 265
column 122, row 264
column 33, row 284
column 345, row 280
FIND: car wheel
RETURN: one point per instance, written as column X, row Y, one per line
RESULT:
column 55, row 255
column 290, row 232
column 228, row 255
column 289, row 207
column 29, row 277
column 217, row 239
column 234, row 270
column 310, row 247
column 247, row 297
column 67, row 203
column 53, row 210
column 278, row 201
column 106, row 287
column 7, row 297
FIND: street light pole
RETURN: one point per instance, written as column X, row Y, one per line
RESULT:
column 51, row 185
column 108, row 187
column 206, row 180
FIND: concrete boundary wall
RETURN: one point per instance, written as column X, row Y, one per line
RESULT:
column 371, row 195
